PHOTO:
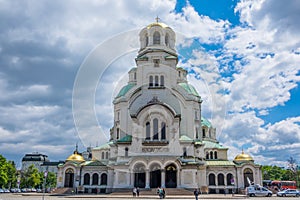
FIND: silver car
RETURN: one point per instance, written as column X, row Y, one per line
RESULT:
column 289, row 193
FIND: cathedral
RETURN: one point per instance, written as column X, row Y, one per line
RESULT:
column 159, row 137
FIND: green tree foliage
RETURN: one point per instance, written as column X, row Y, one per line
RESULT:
column 7, row 173
column 30, row 178
column 50, row 180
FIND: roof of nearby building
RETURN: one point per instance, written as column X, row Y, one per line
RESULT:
column 219, row 163
column 94, row 163
column 35, row 157
column 125, row 139
column 185, row 138
column 104, row 146
column 189, row 88
column 211, row 145
column 205, row 122
column 125, row 89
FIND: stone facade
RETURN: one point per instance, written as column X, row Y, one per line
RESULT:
column 159, row 137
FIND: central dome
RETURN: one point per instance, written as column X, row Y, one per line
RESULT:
column 163, row 25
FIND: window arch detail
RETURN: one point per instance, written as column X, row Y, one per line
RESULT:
column 156, row 38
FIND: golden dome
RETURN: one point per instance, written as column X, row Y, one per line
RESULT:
column 157, row 24
column 243, row 157
column 75, row 157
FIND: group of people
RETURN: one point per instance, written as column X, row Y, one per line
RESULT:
column 136, row 192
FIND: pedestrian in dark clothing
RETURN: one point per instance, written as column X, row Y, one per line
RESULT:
column 196, row 193
column 138, row 191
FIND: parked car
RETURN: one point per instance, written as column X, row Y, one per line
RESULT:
column 288, row 193
column 258, row 190
column 1, row 190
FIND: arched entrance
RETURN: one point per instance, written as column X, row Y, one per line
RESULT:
column 139, row 175
column 155, row 176
column 69, row 178
column 171, row 176
column 248, row 177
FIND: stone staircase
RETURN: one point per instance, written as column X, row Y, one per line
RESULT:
column 63, row 191
column 153, row 191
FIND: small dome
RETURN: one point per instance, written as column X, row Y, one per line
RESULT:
column 75, row 157
column 243, row 157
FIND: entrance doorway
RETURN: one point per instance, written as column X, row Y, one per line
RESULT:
column 171, row 176
column 69, row 178
column 155, row 178
column 248, row 177
column 139, row 175
column 140, row 180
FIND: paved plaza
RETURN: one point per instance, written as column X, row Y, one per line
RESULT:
column 118, row 197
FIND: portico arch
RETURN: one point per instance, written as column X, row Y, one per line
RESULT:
column 139, row 170
column 69, row 178
column 155, row 175
column 171, row 176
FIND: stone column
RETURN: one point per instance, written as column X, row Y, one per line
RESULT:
column 147, row 178
column 131, row 179
column 163, row 178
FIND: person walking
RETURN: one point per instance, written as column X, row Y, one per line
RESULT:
column 196, row 193
column 138, row 191
column 134, row 192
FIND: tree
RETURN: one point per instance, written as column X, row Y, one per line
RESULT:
column 7, row 173
column 30, row 178
column 293, row 167
column 50, row 180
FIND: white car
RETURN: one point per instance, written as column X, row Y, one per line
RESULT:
column 289, row 193
column 258, row 190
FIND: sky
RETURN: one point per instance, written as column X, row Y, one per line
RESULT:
column 62, row 63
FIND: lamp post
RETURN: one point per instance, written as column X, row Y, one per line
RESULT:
column 44, row 183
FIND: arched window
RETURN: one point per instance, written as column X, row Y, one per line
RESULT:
column 216, row 155
column 156, row 81
column 151, row 81
column 156, row 38
column 147, row 130
column 163, row 130
column 197, row 134
column 211, row 179
column 146, row 40
column 162, row 80
column 155, row 129
column 207, row 155
column 221, row 179
column 184, row 152
column 134, row 76
column 106, row 155
column 203, row 133
column 95, row 180
column 103, row 179
column 167, row 40
column 229, row 179
column 86, row 179
column 211, row 155
column 126, row 152
column 102, row 157
column 118, row 133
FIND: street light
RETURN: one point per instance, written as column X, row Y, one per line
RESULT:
column 44, row 184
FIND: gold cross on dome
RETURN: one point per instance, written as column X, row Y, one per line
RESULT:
column 157, row 18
